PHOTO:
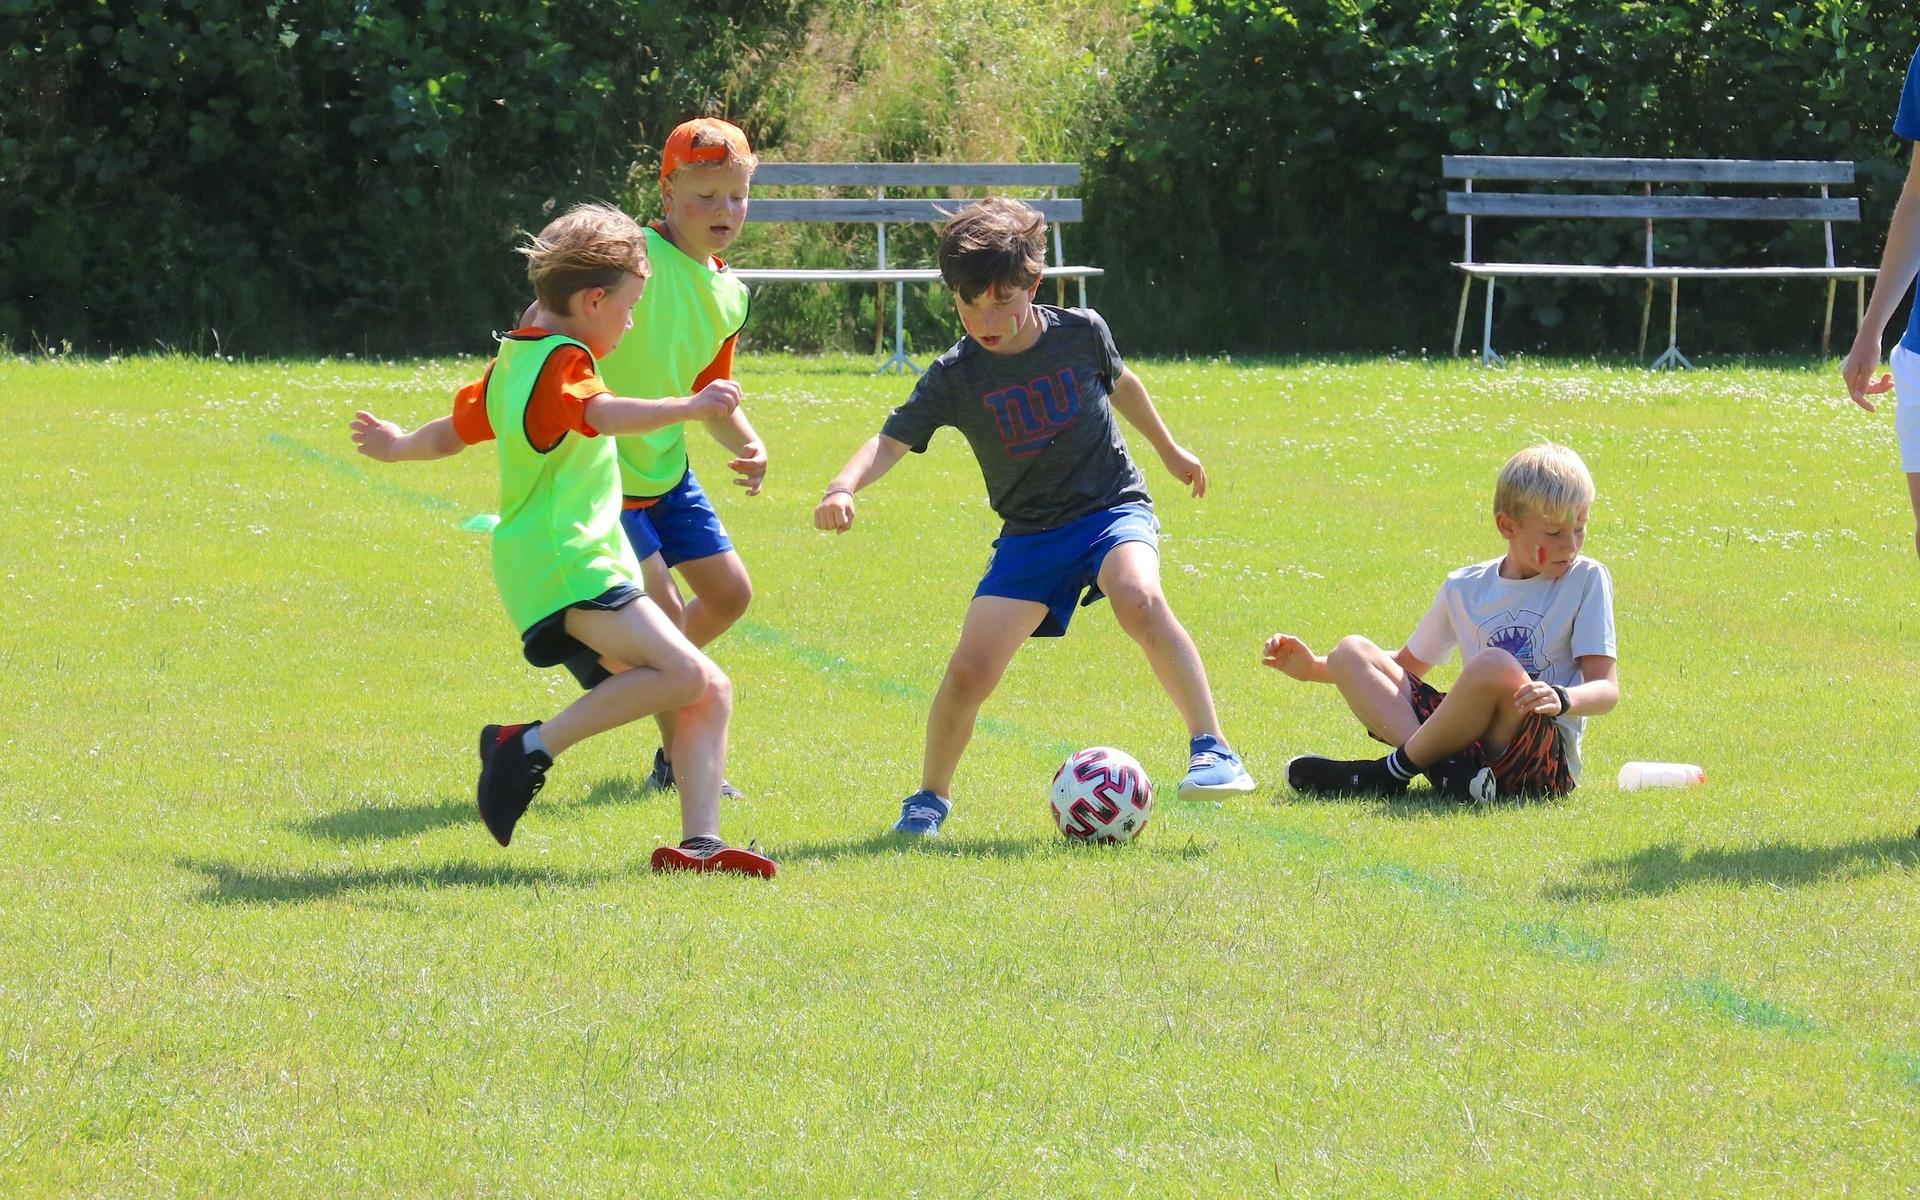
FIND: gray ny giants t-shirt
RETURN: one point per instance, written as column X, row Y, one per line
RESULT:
column 1038, row 421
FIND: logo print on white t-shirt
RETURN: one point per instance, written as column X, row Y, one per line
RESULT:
column 1518, row 633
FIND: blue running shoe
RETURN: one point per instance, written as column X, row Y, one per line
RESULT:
column 921, row 814
column 1213, row 770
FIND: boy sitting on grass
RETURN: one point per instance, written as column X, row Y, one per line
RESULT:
column 1033, row 389
column 1535, row 631
column 565, row 571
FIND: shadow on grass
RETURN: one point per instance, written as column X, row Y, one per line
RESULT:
column 370, row 823
column 1414, row 804
column 1664, row 868
column 879, row 844
column 229, row 883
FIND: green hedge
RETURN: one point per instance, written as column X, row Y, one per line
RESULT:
column 1273, row 181
column 324, row 175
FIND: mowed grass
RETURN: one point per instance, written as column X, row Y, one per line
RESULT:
column 257, row 944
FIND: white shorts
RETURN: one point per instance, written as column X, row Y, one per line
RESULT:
column 1906, row 416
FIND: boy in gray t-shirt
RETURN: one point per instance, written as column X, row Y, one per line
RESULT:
column 1535, row 631
column 1033, row 389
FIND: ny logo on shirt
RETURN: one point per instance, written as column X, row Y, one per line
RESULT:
column 1028, row 416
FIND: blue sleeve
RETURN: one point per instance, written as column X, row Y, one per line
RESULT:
column 930, row 407
column 1906, row 125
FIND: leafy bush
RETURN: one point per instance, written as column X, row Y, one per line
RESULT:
column 1286, row 159
column 324, row 174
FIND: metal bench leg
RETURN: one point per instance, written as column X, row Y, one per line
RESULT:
column 1826, row 326
column 1646, row 315
column 1460, row 319
column 1672, row 357
column 899, row 360
column 1487, row 357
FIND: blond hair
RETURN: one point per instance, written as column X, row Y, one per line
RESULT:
column 588, row 246
column 995, row 243
column 1547, row 479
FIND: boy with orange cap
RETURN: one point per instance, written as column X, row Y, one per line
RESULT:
column 685, row 328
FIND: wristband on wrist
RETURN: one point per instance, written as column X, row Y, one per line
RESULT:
column 1565, row 703
column 842, row 488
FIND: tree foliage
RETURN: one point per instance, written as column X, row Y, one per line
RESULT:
column 1286, row 159
column 323, row 174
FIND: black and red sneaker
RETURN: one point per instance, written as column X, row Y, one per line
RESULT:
column 510, row 775
column 712, row 854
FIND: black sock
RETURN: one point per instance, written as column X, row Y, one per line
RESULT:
column 702, row 843
column 1400, row 766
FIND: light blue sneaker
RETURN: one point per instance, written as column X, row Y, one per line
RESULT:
column 921, row 814
column 1213, row 770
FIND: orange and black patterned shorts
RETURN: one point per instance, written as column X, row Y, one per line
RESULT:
column 1533, row 764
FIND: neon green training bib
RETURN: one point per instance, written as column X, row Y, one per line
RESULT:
column 559, row 539
column 687, row 312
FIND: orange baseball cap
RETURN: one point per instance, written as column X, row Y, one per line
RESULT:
column 722, row 142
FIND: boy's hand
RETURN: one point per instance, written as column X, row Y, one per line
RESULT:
column 1536, row 697
column 1289, row 655
column 1186, row 468
column 375, row 438
column 835, row 510
column 717, row 399
column 1857, row 371
column 751, row 467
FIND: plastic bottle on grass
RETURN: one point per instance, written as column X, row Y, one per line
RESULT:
column 1636, row 775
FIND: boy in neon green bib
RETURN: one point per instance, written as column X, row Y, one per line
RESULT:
column 685, row 328
column 566, row 573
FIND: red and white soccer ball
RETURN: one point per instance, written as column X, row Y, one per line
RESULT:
column 1101, row 795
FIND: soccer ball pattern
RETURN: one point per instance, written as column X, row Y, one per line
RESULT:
column 1101, row 795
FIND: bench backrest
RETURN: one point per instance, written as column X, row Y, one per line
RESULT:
column 881, row 176
column 1646, row 206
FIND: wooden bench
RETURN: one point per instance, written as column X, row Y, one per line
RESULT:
column 881, row 210
column 1648, row 205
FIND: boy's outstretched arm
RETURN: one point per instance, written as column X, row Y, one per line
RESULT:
column 1899, row 262
column 613, row 414
column 872, row 460
column 1131, row 401
column 749, row 461
column 1597, row 693
column 385, row 441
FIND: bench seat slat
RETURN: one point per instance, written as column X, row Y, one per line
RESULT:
column 920, row 174
column 862, row 212
column 1485, row 270
column 1725, row 208
column 890, row 275
column 1646, row 170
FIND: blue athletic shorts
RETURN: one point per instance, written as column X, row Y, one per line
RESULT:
column 1056, row 567
column 680, row 526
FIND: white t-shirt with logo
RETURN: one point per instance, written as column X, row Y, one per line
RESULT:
column 1546, row 624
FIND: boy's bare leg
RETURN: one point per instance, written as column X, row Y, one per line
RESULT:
column 1130, row 578
column 1913, row 493
column 994, row 629
column 1478, row 708
column 1375, row 687
column 700, row 754
column 666, row 672
column 721, row 593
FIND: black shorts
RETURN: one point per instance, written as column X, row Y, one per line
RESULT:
column 1534, row 762
column 546, row 643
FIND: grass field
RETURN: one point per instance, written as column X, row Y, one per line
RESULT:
column 257, row 943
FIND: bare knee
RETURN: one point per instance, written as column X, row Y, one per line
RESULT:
column 715, row 689
column 1494, row 669
column 728, row 603
column 685, row 675
column 1138, row 608
column 969, row 680
column 1351, row 656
